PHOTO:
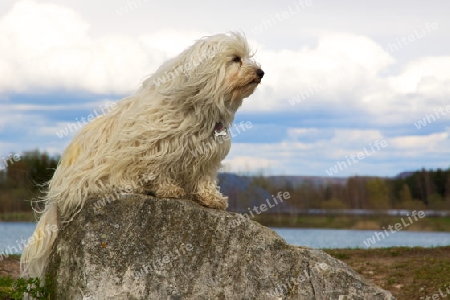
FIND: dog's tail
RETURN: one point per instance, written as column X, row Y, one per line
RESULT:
column 36, row 253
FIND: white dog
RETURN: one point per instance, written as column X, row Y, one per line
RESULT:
column 188, row 102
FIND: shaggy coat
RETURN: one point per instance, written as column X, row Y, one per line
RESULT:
column 153, row 135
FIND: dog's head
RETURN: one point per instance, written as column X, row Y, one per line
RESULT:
column 217, row 68
column 237, row 72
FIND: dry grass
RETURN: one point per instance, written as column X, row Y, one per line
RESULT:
column 408, row 273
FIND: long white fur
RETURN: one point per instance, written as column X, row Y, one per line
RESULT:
column 153, row 132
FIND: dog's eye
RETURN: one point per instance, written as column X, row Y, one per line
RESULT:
column 237, row 59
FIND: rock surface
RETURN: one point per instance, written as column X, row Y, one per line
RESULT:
column 140, row 247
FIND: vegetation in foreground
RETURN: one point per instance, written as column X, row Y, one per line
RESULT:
column 15, row 288
column 12, row 287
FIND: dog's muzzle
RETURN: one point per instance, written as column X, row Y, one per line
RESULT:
column 260, row 73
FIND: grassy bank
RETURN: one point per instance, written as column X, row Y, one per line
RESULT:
column 409, row 273
column 353, row 222
column 17, row 217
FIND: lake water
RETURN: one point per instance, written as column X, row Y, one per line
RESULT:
column 337, row 238
column 11, row 234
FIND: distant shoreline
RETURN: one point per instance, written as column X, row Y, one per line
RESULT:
column 334, row 221
column 427, row 224
column 17, row 217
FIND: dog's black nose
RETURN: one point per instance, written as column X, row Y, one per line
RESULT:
column 260, row 73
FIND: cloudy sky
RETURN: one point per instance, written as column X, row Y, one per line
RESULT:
column 346, row 82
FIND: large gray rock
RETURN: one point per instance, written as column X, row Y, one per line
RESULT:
column 140, row 247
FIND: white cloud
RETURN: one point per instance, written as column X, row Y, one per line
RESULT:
column 384, row 159
column 429, row 76
column 343, row 142
column 436, row 142
column 353, row 50
column 343, row 68
column 48, row 47
column 42, row 27
column 247, row 164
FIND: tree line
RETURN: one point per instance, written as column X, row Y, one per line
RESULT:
column 422, row 189
column 25, row 180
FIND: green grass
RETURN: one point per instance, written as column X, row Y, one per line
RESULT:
column 14, row 289
column 6, row 283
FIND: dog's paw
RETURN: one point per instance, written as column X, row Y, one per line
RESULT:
column 212, row 199
column 170, row 191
